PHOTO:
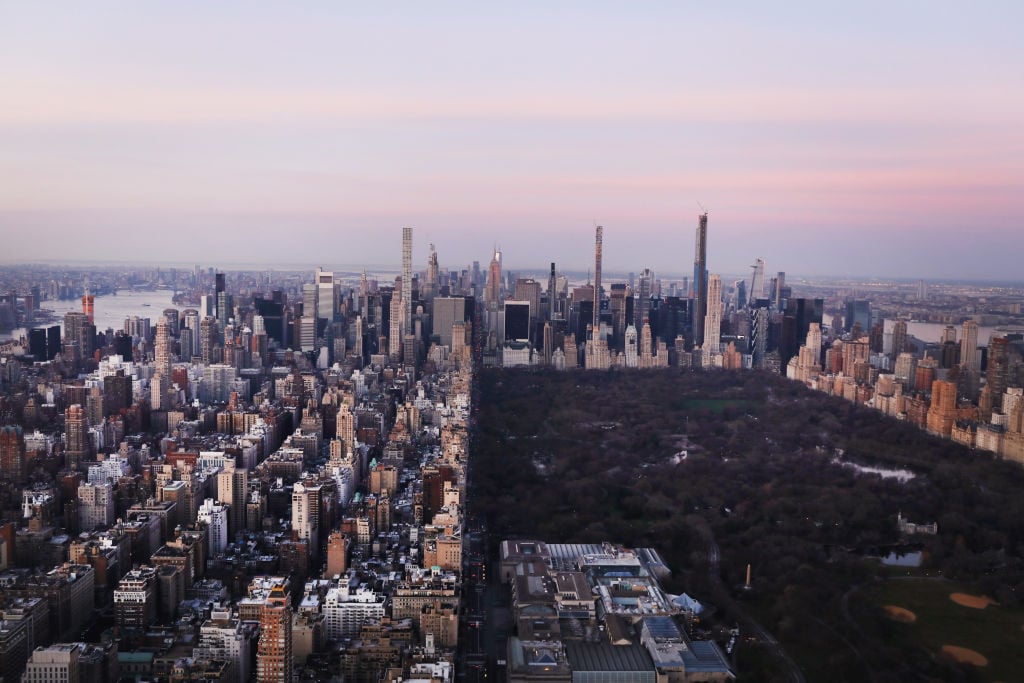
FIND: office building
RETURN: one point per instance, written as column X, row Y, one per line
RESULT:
column 57, row 663
column 135, row 599
column 528, row 289
column 517, row 320
column 858, row 315
column 970, row 358
column 308, row 322
column 492, row 292
column 326, row 297
column 757, row 280
column 446, row 312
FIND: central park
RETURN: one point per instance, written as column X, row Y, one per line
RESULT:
column 724, row 471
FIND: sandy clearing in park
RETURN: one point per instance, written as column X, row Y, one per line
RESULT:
column 900, row 614
column 965, row 656
column 973, row 601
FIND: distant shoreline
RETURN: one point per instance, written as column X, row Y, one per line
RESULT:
column 540, row 269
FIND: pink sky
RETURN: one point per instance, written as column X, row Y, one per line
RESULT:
column 870, row 131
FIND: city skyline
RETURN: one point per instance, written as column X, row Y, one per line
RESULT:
column 845, row 140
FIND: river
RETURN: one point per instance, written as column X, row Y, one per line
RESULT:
column 932, row 332
column 110, row 310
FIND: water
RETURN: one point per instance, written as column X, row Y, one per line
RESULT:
column 109, row 310
column 932, row 332
column 910, row 559
column 902, row 476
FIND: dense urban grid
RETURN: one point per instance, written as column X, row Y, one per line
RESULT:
column 270, row 478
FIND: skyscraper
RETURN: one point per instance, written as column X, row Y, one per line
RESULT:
column 163, row 348
column 190, row 321
column 345, row 426
column 759, row 334
column 643, row 310
column 117, row 392
column 492, row 292
column 757, row 280
column 307, row 326
column 630, row 346
column 858, row 313
column 433, row 272
column 395, row 328
column 274, row 651
column 598, row 239
column 741, row 294
column 997, row 373
column 700, row 279
column 970, row 359
column 814, row 341
column 899, row 337
column 778, row 296
column 232, row 490
column 528, row 289
column 223, row 302
column 552, row 294
column 713, row 321
column 326, row 301
column 76, row 435
column 88, row 306
column 446, row 312
column 942, row 412
column 306, row 514
column 12, row 454
column 78, row 328
column 407, row 278
column 517, row 320
column 208, row 340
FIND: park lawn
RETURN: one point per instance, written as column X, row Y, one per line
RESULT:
column 996, row 632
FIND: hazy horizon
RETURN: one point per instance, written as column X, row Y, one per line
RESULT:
column 613, row 272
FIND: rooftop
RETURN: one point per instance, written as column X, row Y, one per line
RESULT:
column 584, row 656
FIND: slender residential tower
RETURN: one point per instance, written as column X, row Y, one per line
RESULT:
column 700, row 280
column 552, row 295
column 407, row 278
column 598, row 238
column 713, row 319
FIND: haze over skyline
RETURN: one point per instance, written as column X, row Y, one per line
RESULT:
column 857, row 140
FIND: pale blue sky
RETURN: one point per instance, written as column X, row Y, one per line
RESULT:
column 880, row 139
